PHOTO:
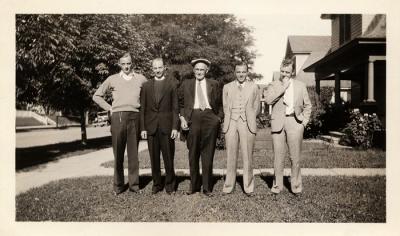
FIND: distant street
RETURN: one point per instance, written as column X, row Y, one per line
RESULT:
column 52, row 136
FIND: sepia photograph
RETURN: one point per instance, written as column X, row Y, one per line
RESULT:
column 201, row 116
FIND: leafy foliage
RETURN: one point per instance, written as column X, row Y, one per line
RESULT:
column 313, row 128
column 178, row 39
column 325, row 116
column 62, row 59
column 360, row 131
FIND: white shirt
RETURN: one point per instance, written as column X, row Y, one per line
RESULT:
column 204, row 89
column 125, row 76
column 288, row 98
column 241, row 84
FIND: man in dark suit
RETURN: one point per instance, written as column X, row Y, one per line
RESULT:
column 201, row 113
column 159, row 122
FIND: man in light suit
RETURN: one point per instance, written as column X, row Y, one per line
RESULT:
column 291, row 110
column 241, row 102
column 159, row 123
column 201, row 114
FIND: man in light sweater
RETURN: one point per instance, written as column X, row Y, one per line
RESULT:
column 125, row 126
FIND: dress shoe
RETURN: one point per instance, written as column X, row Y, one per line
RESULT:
column 250, row 194
column 297, row 194
column 155, row 191
column 118, row 192
column 138, row 191
column 275, row 190
column 190, row 192
column 208, row 194
column 121, row 190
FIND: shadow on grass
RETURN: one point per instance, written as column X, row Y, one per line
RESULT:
column 269, row 180
column 30, row 157
column 145, row 180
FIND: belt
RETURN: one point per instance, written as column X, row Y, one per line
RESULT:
column 292, row 114
column 197, row 109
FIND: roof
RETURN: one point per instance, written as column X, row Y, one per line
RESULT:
column 344, row 56
column 308, row 43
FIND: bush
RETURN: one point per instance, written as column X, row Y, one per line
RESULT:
column 325, row 116
column 335, row 117
column 313, row 128
column 359, row 132
column 220, row 145
column 263, row 121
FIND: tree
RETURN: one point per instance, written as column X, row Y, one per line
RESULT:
column 179, row 38
column 62, row 58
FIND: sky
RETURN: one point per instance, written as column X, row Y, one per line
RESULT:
column 270, row 34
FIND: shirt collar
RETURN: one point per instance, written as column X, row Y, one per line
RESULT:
column 201, row 81
column 126, row 77
column 162, row 78
column 241, row 84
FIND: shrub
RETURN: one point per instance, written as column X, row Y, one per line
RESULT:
column 335, row 117
column 359, row 132
column 313, row 128
column 325, row 116
column 220, row 145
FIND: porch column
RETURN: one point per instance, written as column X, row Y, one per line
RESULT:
column 371, row 97
column 317, row 86
column 337, row 88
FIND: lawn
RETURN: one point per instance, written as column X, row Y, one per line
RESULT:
column 325, row 199
column 314, row 155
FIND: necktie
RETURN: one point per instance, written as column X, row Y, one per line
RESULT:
column 200, row 96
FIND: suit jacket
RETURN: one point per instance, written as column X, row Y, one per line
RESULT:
column 252, row 101
column 273, row 94
column 162, row 113
column 187, row 93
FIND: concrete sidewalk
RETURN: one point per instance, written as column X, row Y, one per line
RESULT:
column 90, row 165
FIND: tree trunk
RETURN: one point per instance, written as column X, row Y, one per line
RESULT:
column 83, row 128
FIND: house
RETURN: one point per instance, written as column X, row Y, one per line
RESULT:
column 357, row 54
column 306, row 50
column 275, row 75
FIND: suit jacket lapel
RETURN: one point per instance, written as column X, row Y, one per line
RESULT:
column 209, row 88
column 193, row 90
column 152, row 90
column 247, row 91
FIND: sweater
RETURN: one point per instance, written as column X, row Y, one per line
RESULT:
column 125, row 93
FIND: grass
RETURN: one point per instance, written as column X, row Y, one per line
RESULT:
column 325, row 199
column 27, row 121
column 314, row 155
column 29, row 158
